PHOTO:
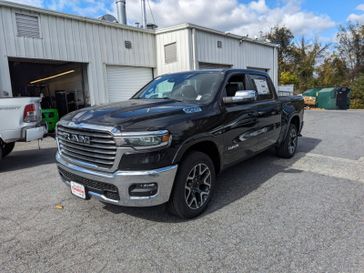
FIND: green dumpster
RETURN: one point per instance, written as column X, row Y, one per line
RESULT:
column 51, row 117
column 334, row 98
column 326, row 98
column 313, row 92
column 310, row 96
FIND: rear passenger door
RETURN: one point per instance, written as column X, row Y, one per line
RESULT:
column 268, row 109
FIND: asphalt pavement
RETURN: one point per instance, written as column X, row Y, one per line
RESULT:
column 305, row 214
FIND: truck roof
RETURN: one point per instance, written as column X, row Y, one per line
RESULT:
column 222, row 70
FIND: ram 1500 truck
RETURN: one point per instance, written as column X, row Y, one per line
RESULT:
column 168, row 142
column 20, row 120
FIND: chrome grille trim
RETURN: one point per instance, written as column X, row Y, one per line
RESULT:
column 100, row 152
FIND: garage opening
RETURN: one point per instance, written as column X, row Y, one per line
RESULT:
column 213, row 66
column 62, row 85
column 258, row 69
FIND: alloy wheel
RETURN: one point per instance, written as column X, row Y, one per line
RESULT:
column 198, row 186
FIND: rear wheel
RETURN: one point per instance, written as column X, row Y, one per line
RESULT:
column 8, row 148
column 194, row 185
column 288, row 147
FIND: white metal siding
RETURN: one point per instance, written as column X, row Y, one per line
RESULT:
column 68, row 39
column 183, row 47
column 239, row 54
column 124, row 81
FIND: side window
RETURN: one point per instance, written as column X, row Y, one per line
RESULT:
column 235, row 83
column 262, row 86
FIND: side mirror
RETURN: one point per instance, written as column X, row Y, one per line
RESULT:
column 241, row 96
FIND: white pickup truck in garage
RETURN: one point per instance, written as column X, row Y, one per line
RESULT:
column 20, row 120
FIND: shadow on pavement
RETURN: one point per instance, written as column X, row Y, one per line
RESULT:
column 232, row 184
column 18, row 160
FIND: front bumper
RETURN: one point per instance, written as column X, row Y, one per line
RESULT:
column 122, row 180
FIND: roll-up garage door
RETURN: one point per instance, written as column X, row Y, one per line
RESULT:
column 124, row 81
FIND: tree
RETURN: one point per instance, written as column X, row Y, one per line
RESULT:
column 283, row 37
column 332, row 72
column 357, row 95
column 351, row 47
column 305, row 59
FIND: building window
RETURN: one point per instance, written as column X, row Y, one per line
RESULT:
column 170, row 53
column 219, row 44
column 128, row 44
column 27, row 25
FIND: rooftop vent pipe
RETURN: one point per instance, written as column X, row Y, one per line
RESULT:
column 121, row 11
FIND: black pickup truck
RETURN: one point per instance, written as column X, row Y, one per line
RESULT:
column 168, row 142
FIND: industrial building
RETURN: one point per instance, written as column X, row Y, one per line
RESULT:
column 75, row 61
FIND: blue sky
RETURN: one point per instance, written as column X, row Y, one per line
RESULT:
column 310, row 18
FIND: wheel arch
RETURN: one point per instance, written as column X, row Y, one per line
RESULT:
column 206, row 146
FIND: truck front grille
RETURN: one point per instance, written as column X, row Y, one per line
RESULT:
column 95, row 148
column 108, row 190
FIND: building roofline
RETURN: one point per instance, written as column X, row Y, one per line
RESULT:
column 131, row 28
column 71, row 16
column 214, row 31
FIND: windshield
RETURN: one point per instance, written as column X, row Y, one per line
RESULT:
column 199, row 87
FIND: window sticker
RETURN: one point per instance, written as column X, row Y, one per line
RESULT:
column 262, row 86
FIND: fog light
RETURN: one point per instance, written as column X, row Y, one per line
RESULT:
column 143, row 190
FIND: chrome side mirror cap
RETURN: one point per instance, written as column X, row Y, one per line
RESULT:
column 241, row 96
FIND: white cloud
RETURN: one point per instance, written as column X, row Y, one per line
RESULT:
column 34, row 3
column 235, row 17
column 226, row 15
column 358, row 18
column 360, row 7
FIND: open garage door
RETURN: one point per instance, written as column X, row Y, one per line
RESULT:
column 213, row 66
column 62, row 85
column 124, row 81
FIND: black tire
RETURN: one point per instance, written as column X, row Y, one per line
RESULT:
column 1, row 151
column 8, row 148
column 288, row 147
column 190, row 197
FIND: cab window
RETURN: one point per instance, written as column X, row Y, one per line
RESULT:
column 262, row 86
column 235, row 83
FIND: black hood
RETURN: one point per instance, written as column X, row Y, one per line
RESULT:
column 132, row 112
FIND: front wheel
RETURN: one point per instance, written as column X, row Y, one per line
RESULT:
column 288, row 147
column 193, row 186
column 8, row 148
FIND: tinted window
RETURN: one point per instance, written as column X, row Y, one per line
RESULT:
column 235, row 83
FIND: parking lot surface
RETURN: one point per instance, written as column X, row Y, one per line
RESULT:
column 305, row 214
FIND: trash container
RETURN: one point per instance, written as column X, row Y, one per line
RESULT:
column 310, row 96
column 51, row 117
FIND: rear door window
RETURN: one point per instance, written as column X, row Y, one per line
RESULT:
column 262, row 86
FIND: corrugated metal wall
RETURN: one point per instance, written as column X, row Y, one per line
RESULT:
column 183, row 41
column 68, row 39
column 233, row 52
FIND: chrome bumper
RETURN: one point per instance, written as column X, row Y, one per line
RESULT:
column 164, row 177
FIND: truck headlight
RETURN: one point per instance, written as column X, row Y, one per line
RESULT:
column 145, row 140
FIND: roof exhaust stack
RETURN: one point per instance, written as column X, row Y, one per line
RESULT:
column 144, row 14
column 121, row 11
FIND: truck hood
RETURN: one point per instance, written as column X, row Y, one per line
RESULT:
column 132, row 112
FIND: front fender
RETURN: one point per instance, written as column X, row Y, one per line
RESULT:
column 200, row 138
